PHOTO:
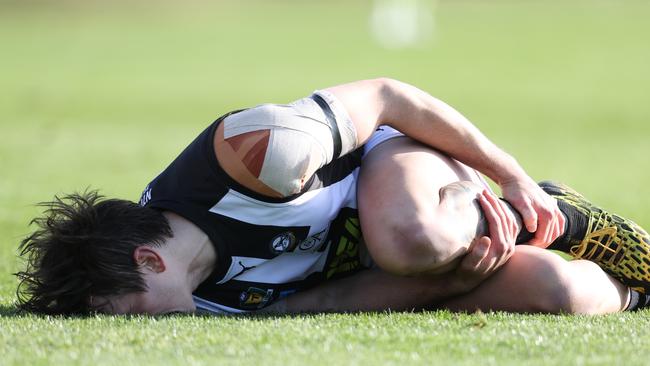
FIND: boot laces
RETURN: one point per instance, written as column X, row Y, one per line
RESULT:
column 597, row 245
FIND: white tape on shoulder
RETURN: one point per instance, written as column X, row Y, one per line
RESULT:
column 300, row 141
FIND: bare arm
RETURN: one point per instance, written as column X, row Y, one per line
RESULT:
column 419, row 115
column 370, row 290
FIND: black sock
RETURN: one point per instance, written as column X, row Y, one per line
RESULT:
column 637, row 301
column 575, row 230
column 575, row 227
column 524, row 236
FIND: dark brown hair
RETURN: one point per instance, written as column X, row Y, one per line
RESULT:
column 83, row 247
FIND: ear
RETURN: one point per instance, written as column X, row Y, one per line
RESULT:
column 147, row 257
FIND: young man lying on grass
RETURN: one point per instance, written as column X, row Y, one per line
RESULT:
column 264, row 211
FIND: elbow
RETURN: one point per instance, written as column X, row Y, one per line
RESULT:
column 386, row 86
column 383, row 86
column 389, row 92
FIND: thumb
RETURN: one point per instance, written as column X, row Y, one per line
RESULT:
column 477, row 252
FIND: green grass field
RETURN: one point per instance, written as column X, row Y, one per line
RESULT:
column 106, row 95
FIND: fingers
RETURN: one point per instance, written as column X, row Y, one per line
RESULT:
column 472, row 269
column 559, row 221
column 528, row 216
column 545, row 226
column 491, row 216
column 503, row 229
column 507, row 217
column 561, row 224
column 551, row 224
column 539, row 211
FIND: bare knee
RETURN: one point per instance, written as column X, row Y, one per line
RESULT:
column 410, row 246
column 431, row 238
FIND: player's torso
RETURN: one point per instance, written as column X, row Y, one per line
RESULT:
column 266, row 247
column 277, row 248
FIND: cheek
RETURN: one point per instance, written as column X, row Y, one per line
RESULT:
column 149, row 303
column 161, row 301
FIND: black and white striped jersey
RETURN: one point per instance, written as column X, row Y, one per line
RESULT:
column 266, row 248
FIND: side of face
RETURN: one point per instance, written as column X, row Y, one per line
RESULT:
column 166, row 291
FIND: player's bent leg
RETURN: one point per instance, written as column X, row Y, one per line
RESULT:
column 417, row 207
column 537, row 280
column 533, row 280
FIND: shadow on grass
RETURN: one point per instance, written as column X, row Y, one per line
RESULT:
column 12, row 311
column 9, row 311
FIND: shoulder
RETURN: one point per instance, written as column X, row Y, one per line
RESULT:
column 241, row 156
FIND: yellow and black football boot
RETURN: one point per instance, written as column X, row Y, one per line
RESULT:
column 618, row 245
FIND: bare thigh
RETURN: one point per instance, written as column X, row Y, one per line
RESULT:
column 402, row 216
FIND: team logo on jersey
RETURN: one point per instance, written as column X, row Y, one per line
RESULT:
column 346, row 238
column 313, row 242
column 255, row 298
column 284, row 242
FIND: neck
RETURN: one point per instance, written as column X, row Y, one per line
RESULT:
column 192, row 251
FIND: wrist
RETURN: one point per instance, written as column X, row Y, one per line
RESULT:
column 509, row 171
